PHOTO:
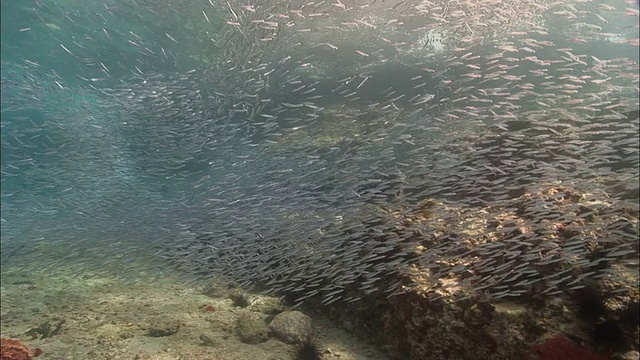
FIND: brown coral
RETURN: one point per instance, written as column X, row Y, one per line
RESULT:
column 14, row 349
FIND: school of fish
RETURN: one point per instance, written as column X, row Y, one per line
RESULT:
column 291, row 146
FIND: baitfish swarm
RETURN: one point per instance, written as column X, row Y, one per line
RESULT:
column 348, row 211
column 331, row 152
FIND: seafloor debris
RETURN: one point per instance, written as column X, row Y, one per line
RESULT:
column 207, row 340
column 45, row 330
column 14, row 349
column 163, row 327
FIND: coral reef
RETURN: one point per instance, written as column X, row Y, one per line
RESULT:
column 478, row 300
column 14, row 349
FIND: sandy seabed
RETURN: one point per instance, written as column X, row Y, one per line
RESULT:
column 106, row 317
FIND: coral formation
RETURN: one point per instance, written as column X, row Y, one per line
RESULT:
column 14, row 349
column 561, row 348
column 453, row 306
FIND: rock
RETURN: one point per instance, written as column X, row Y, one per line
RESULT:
column 111, row 332
column 292, row 327
column 268, row 305
column 252, row 329
column 163, row 328
column 630, row 355
column 207, row 340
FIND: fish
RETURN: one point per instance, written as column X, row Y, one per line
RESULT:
column 283, row 162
